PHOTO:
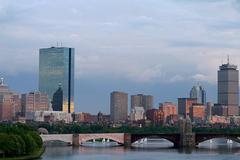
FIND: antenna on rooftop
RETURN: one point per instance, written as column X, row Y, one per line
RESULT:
column 228, row 58
column 1, row 81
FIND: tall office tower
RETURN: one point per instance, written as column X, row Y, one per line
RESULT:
column 198, row 92
column 56, row 65
column 228, row 82
column 140, row 100
column 34, row 101
column 118, row 106
column 228, row 87
column 184, row 105
column 147, row 102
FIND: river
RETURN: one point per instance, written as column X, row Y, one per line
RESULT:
column 150, row 151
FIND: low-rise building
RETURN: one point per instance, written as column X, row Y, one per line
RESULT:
column 84, row 117
column 137, row 113
column 168, row 109
column 34, row 101
column 197, row 113
column 49, row 116
column 156, row 116
column 220, row 120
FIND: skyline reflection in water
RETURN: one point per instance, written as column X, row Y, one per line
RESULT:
column 206, row 151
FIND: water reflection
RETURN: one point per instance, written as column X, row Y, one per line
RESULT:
column 150, row 151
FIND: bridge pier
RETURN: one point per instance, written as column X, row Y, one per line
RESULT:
column 75, row 140
column 187, row 140
column 127, row 140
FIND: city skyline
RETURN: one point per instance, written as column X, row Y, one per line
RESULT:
column 134, row 52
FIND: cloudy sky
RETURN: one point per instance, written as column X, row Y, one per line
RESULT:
column 158, row 47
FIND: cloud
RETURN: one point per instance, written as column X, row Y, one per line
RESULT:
column 176, row 78
column 147, row 41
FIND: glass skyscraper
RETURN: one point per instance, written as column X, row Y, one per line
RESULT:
column 56, row 66
column 199, row 93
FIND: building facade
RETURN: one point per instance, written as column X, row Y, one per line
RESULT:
column 34, row 101
column 118, row 106
column 56, row 66
column 184, row 105
column 141, row 100
column 156, row 116
column 137, row 113
column 197, row 113
column 228, row 85
column 199, row 93
column 168, row 109
column 9, row 105
column 49, row 116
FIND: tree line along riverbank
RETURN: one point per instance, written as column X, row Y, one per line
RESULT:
column 19, row 141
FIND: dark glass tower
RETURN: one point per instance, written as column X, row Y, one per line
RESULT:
column 56, row 65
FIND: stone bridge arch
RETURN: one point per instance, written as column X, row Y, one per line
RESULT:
column 117, row 137
column 174, row 138
column 205, row 137
column 57, row 137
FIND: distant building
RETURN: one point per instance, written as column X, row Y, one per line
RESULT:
column 222, row 110
column 140, row 100
column 220, row 120
column 184, row 105
column 137, row 113
column 9, row 105
column 208, row 111
column 228, row 85
column 156, row 116
column 57, row 100
column 103, row 119
column 118, row 106
column 34, row 101
column 197, row 113
column 82, row 117
column 49, row 116
column 56, row 65
column 199, row 93
column 168, row 109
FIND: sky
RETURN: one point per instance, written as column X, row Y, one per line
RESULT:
column 157, row 47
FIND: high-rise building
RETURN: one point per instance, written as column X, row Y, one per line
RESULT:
column 118, row 106
column 56, row 65
column 228, row 85
column 140, row 100
column 184, row 105
column 34, row 101
column 199, row 93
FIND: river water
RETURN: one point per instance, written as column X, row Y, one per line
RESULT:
column 149, row 151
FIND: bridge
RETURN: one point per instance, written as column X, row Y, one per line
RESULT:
column 78, row 139
column 185, row 137
column 128, row 139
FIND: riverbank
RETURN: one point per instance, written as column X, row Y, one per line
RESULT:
column 35, row 155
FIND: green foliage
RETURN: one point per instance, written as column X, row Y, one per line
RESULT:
column 18, row 139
